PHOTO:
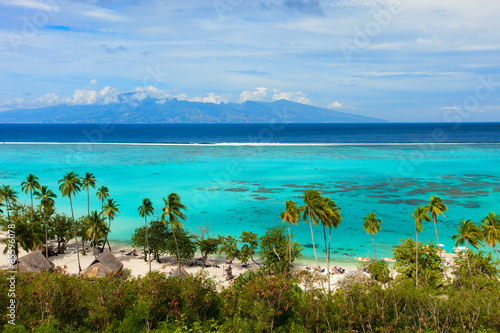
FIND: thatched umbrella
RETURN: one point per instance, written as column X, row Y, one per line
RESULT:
column 180, row 272
column 104, row 264
column 35, row 262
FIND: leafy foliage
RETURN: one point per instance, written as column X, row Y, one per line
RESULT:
column 274, row 249
column 250, row 242
column 229, row 247
column 429, row 265
column 481, row 264
column 379, row 271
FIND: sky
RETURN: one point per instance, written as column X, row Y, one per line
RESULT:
column 400, row 60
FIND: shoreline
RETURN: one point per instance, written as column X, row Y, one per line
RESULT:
column 139, row 267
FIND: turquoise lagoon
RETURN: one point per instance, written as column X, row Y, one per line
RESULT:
column 233, row 188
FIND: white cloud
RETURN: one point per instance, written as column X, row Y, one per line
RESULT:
column 297, row 96
column 257, row 95
column 103, row 14
column 141, row 93
column 449, row 108
column 335, row 105
column 210, row 98
column 30, row 4
column 106, row 95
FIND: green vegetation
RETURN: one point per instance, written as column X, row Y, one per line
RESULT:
column 259, row 302
column 274, row 298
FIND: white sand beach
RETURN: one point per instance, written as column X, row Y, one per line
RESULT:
column 139, row 267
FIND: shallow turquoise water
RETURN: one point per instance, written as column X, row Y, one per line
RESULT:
column 236, row 188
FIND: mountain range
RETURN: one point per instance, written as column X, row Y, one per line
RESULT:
column 152, row 110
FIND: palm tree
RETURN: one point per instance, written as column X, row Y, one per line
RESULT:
column 491, row 230
column 330, row 218
column 372, row 226
column 102, row 194
column 312, row 200
column 145, row 210
column 290, row 215
column 8, row 195
column 110, row 210
column 436, row 207
column 468, row 233
column 29, row 187
column 70, row 186
column 172, row 210
column 96, row 229
column 420, row 214
column 88, row 181
column 46, row 198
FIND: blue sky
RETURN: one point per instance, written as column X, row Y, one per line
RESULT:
column 400, row 60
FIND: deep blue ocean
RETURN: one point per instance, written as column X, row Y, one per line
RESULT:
column 253, row 133
column 388, row 169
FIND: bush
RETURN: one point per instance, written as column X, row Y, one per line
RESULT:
column 429, row 263
column 274, row 249
column 379, row 271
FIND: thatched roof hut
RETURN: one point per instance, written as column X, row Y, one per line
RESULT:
column 35, row 262
column 104, row 264
column 180, row 272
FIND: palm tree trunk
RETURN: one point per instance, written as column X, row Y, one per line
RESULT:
column 314, row 246
column 289, row 247
column 88, row 202
column 439, row 249
column 326, row 258
column 106, row 240
column 46, row 239
column 373, row 241
column 147, row 243
column 31, row 194
column 76, row 238
column 177, row 247
column 329, row 246
column 495, row 247
column 467, row 254
column 416, row 257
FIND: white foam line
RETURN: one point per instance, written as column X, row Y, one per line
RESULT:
column 250, row 144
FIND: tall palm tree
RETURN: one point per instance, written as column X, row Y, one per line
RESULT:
column 88, row 181
column 172, row 210
column 330, row 218
column 70, row 186
column 491, row 230
column 468, row 233
column 436, row 207
column 372, row 226
column 291, row 216
column 420, row 214
column 8, row 195
column 47, row 202
column 97, row 228
column 145, row 210
column 110, row 210
column 29, row 187
column 312, row 200
column 102, row 194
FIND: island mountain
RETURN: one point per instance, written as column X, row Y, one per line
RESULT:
column 151, row 110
